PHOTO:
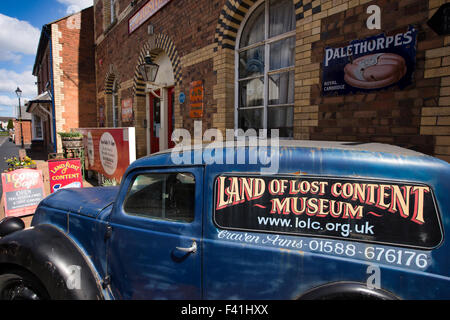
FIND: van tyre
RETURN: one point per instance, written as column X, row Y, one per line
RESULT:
column 20, row 285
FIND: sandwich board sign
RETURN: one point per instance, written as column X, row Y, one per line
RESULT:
column 23, row 189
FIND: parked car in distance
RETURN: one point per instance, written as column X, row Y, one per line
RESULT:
column 334, row 221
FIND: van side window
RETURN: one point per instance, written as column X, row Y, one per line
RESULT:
column 165, row 196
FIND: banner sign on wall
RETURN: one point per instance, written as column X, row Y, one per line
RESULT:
column 109, row 150
column 384, row 212
column 196, row 95
column 127, row 110
column 65, row 174
column 148, row 10
column 23, row 189
column 371, row 64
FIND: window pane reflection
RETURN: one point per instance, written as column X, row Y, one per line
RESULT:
column 282, row 54
column 254, row 29
column 281, row 118
column 281, row 17
column 281, row 88
column 251, row 93
column 251, row 62
column 250, row 119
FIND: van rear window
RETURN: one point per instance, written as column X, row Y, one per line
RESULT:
column 375, row 211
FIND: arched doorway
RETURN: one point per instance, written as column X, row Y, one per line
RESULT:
column 155, row 102
column 160, row 105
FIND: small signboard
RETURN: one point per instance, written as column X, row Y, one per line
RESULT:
column 182, row 98
column 127, row 110
column 370, row 64
column 374, row 211
column 23, row 189
column 65, row 173
column 196, row 98
column 109, row 150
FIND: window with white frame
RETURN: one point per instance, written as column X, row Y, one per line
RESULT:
column 37, row 127
column 265, row 59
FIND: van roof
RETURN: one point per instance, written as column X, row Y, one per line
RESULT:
column 311, row 144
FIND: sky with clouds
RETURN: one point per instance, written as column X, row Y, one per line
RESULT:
column 20, row 29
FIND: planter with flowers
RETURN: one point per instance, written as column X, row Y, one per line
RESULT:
column 17, row 163
column 71, row 139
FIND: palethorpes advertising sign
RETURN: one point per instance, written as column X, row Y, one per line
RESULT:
column 370, row 64
column 23, row 190
column 65, row 174
column 383, row 212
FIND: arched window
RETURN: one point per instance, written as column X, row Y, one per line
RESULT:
column 265, row 59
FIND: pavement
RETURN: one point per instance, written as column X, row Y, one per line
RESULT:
column 8, row 150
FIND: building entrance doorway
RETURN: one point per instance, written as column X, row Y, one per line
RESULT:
column 161, row 119
column 155, row 121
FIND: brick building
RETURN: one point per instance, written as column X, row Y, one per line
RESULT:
column 23, row 126
column 65, row 72
column 285, row 64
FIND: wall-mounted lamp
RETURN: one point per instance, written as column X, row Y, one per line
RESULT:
column 148, row 69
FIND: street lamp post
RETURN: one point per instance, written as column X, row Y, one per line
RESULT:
column 19, row 94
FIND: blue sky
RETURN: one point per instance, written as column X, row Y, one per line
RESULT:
column 20, row 28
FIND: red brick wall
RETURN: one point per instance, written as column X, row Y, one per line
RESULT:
column 44, row 72
column 189, row 24
column 78, row 68
column 27, row 135
column 392, row 116
column 417, row 117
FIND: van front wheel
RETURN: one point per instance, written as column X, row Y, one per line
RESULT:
column 18, row 285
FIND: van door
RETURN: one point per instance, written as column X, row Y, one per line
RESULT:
column 156, row 241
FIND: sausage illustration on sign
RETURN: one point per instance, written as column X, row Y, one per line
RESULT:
column 375, row 71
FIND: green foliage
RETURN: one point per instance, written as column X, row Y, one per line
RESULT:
column 70, row 134
column 10, row 125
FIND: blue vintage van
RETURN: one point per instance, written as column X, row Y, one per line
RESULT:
column 315, row 220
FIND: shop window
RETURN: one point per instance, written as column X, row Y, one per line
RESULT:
column 265, row 59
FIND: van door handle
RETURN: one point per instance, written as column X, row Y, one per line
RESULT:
column 192, row 249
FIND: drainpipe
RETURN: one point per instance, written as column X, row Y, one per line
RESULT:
column 52, row 88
